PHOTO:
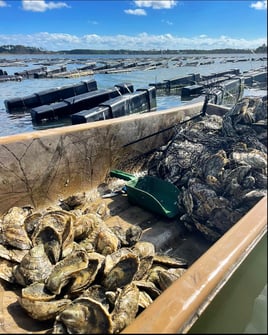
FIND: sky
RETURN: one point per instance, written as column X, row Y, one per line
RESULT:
column 134, row 25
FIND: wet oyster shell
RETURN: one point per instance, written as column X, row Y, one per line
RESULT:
column 144, row 300
column 145, row 251
column 35, row 266
column 107, row 242
column 55, row 231
column 126, row 307
column 6, row 270
column 169, row 261
column 15, row 255
column 65, row 269
column 120, row 268
column 85, row 277
column 149, row 287
column 166, row 278
column 43, row 310
column 13, row 228
column 84, row 316
column 37, row 292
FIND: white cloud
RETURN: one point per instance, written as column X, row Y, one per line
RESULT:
column 3, row 4
column 144, row 41
column 93, row 22
column 259, row 5
column 138, row 12
column 156, row 4
column 169, row 23
column 41, row 5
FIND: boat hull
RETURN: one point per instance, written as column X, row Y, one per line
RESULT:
column 39, row 168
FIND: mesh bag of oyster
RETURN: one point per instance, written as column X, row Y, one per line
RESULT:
column 220, row 165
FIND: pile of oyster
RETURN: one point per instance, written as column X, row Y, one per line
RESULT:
column 79, row 273
column 219, row 164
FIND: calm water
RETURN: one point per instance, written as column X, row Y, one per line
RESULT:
column 251, row 315
column 22, row 122
column 241, row 306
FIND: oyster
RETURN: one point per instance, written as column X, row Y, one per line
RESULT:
column 144, row 300
column 64, row 270
column 85, row 225
column 31, row 221
column 254, row 158
column 166, row 278
column 73, row 201
column 107, row 242
column 35, row 266
column 128, row 236
column 13, row 228
column 85, row 277
column 6, row 270
column 43, row 310
column 169, row 261
column 84, row 315
column 145, row 251
column 126, row 307
column 98, row 207
column 148, row 287
column 55, row 232
column 14, row 255
column 119, row 268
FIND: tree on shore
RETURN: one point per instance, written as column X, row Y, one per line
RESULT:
column 21, row 50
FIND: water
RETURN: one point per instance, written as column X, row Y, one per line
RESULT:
column 14, row 123
column 233, row 311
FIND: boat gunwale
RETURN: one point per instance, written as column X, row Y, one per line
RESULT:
column 65, row 130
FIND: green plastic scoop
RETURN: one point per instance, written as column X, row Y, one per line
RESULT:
column 151, row 193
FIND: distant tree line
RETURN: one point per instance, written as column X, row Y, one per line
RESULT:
column 20, row 50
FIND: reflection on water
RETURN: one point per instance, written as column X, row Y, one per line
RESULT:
column 234, row 312
column 258, row 321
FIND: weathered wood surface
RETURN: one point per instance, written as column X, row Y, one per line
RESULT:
column 41, row 167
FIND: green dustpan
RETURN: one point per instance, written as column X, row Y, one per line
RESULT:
column 151, row 193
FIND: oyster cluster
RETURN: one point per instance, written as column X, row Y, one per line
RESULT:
column 75, row 270
column 219, row 164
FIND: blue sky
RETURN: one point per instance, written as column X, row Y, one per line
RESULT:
column 136, row 25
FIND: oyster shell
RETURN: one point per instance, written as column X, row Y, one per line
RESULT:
column 85, row 277
column 144, row 300
column 126, row 307
column 64, row 270
column 145, row 251
column 55, row 232
column 6, row 270
column 84, row 315
column 37, row 292
column 166, row 278
column 119, row 269
column 13, row 228
column 43, row 310
column 107, row 242
column 128, row 236
column 35, row 266
column 73, row 201
column 148, row 287
column 169, row 261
